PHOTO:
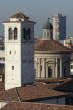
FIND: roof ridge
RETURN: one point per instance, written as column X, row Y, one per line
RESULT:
column 18, row 95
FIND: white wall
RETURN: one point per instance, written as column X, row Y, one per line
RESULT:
column 2, row 53
column 12, row 77
column 2, row 104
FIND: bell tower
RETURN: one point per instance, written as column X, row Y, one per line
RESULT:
column 19, row 51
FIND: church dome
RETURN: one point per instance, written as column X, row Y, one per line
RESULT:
column 48, row 25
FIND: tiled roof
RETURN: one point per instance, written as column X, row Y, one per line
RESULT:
column 35, row 106
column 67, row 86
column 19, row 15
column 29, row 22
column 38, row 92
column 50, row 80
column 33, row 92
column 2, row 86
column 64, row 85
column 9, row 95
column 51, row 46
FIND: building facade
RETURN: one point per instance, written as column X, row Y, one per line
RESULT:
column 52, row 60
column 59, row 27
column 19, row 44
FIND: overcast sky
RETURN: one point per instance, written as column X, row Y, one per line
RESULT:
column 38, row 10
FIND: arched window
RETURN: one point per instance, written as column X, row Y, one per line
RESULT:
column 24, row 33
column 10, row 33
column 49, row 72
column 15, row 33
column 28, row 34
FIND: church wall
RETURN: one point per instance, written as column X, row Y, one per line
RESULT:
column 2, row 104
column 52, row 59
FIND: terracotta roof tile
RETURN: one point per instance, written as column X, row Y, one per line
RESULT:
column 19, row 15
column 29, row 22
column 50, row 80
column 67, row 86
column 2, row 86
column 38, row 92
column 9, row 95
column 35, row 106
column 51, row 46
column 64, row 85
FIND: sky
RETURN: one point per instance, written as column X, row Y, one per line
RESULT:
column 38, row 10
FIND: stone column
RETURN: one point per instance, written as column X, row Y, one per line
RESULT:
column 53, row 73
column 46, row 70
column 61, row 72
column 38, row 74
column 37, row 68
column 56, row 70
column 43, row 69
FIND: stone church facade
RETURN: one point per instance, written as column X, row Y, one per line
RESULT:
column 52, row 59
column 51, row 62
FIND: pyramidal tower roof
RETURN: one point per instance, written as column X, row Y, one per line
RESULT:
column 19, row 15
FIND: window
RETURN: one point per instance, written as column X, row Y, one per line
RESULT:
column 44, row 34
column 24, row 33
column 65, row 71
column 49, row 72
column 15, row 33
column 10, row 33
column 48, row 34
column 10, row 52
column 51, row 34
column 41, row 67
column 12, row 67
column 28, row 34
column 71, row 66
